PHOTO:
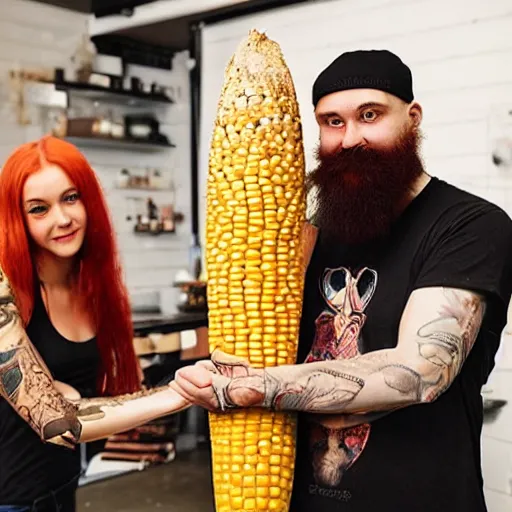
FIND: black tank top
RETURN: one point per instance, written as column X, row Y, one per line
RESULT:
column 30, row 468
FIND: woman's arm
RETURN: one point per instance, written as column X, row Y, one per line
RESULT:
column 102, row 417
column 27, row 384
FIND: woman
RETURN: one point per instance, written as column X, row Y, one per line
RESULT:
column 64, row 315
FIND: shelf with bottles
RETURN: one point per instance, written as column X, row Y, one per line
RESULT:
column 154, row 229
column 111, row 88
column 153, row 219
column 107, row 130
column 120, row 96
column 149, row 180
column 118, row 143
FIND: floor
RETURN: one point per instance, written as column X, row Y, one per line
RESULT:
column 181, row 485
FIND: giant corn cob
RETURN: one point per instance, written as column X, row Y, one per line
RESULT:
column 255, row 213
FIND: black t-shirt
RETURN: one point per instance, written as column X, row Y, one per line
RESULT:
column 30, row 468
column 424, row 457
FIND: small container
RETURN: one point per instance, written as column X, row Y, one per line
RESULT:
column 123, row 178
column 168, row 299
column 154, row 226
column 117, row 129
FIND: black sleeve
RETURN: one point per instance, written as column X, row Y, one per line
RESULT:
column 473, row 252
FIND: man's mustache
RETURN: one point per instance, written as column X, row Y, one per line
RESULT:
column 356, row 193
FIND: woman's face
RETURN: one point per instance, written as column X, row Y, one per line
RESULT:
column 54, row 213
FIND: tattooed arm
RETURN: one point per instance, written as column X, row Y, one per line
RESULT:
column 27, row 384
column 102, row 417
column 437, row 331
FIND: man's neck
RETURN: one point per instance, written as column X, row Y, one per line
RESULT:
column 418, row 186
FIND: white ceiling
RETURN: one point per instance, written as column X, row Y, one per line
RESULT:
column 74, row 5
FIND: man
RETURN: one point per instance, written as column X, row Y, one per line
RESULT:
column 406, row 297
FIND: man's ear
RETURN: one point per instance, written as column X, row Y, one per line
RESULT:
column 415, row 114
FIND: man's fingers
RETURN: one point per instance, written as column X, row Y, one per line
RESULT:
column 176, row 387
column 208, row 365
column 220, row 381
column 187, row 387
column 191, row 397
column 229, row 365
column 223, row 358
column 197, row 375
column 203, row 397
column 187, row 382
column 209, row 400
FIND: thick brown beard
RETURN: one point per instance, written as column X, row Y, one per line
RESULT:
column 361, row 191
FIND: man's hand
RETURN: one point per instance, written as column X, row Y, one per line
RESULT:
column 437, row 331
column 225, row 382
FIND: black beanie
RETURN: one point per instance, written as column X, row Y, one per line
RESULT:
column 365, row 69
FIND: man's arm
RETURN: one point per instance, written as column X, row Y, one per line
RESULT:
column 438, row 329
column 27, row 384
column 437, row 332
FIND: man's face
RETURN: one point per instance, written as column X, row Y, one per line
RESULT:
column 363, row 117
column 368, row 163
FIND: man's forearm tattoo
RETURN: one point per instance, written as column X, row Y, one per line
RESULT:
column 25, row 381
column 383, row 380
column 445, row 343
column 329, row 389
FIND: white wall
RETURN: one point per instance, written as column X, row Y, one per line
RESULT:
column 460, row 52
column 32, row 35
column 37, row 35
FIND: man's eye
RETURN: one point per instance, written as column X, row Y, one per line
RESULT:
column 369, row 115
column 37, row 210
column 334, row 122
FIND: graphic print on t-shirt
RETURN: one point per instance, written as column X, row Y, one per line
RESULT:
column 334, row 449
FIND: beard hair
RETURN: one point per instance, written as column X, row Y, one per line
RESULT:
column 361, row 191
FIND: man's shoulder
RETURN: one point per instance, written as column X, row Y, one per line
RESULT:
column 459, row 205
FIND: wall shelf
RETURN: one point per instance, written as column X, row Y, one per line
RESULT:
column 120, row 97
column 151, row 233
column 128, row 144
column 143, row 189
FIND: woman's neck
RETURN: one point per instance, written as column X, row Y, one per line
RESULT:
column 54, row 272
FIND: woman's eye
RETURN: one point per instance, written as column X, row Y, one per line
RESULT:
column 72, row 198
column 37, row 210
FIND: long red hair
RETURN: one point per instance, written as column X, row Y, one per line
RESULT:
column 100, row 280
